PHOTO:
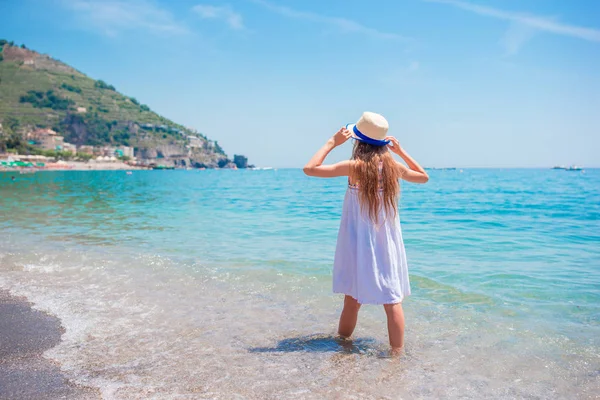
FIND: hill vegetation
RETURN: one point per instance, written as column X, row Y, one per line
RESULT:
column 37, row 91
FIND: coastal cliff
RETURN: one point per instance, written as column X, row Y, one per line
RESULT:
column 40, row 93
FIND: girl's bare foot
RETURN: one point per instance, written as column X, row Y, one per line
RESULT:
column 396, row 351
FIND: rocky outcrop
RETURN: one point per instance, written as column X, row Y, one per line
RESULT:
column 180, row 156
column 76, row 130
column 240, row 161
column 81, row 131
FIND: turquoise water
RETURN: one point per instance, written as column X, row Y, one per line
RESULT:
column 500, row 260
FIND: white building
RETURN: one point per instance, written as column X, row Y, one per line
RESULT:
column 71, row 148
column 86, row 149
column 127, row 151
column 51, row 142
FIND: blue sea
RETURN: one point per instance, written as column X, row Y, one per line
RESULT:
column 217, row 284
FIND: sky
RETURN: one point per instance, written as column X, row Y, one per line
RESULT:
column 499, row 83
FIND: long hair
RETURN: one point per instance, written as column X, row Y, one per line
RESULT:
column 365, row 171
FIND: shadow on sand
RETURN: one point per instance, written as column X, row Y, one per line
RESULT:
column 321, row 344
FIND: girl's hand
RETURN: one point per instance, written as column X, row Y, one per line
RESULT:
column 341, row 136
column 394, row 145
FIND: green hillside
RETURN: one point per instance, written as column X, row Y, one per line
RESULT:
column 37, row 91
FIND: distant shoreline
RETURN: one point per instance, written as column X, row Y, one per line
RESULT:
column 121, row 166
column 107, row 166
column 76, row 166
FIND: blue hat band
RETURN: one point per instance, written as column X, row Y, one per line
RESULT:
column 363, row 138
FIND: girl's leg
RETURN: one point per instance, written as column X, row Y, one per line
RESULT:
column 349, row 317
column 395, row 322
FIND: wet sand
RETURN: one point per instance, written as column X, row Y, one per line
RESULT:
column 25, row 334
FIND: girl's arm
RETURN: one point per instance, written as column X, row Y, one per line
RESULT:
column 315, row 168
column 416, row 173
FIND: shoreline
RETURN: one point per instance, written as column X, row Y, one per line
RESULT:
column 25, row 334
column 111, row 166
column 76, row 166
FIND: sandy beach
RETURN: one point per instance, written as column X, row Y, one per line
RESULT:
column 77, row 166
column 25, row 334
column 99, row 166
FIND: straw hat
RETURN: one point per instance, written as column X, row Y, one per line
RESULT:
column 371, row 128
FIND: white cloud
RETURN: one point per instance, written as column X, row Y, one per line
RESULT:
column 226, row 13
column 515, row 37
column 532, row 21
column 343, row 24
column 114, row 16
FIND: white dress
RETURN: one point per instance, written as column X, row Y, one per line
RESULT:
column 370, row 260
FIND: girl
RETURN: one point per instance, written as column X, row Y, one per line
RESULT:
column 370, row 263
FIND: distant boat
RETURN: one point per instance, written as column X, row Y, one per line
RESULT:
column 129, row 172
column 574, row 168
column 260, row 168
column 559, row 167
